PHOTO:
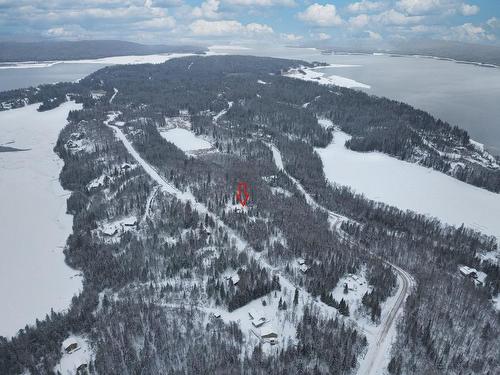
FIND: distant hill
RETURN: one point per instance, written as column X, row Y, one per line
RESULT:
column 469, row 52
column 85, row 49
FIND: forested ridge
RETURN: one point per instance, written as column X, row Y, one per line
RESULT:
column 149, row 290
column 82, row 49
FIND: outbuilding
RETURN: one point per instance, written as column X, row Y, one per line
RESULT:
column 258, row 319
column 70, row 345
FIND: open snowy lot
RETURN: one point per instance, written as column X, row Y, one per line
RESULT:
column 186, row 140
column 79, row 357
column 410, row 186
column 34, row 225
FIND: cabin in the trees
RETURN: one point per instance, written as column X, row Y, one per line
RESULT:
column 82, row 369
column 468, row 272
column 304, row 268
column 477, row 276
column 110, row 231
column 97, row 94
column 235, row 279
column 70, row 346
column 130, row 222
column 126, row 167
column 269, row 335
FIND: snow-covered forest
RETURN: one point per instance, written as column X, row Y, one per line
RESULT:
column 179, row 278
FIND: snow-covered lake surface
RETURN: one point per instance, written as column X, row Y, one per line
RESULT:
column 410, row 186
column 34, row 225
column 186, row 140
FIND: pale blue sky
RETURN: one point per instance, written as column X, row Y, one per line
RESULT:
column 250, row 21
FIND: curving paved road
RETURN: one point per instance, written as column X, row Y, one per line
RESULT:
column 377, row 355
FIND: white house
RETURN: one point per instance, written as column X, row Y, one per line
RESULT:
column 70, row 345
column 468, row 271
column 268, row 334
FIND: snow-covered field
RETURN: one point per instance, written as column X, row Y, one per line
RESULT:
column 281, row 322
column 410, row 186
column 186, row 140
column 34, row 225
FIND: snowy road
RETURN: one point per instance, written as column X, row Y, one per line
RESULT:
column 377, row 356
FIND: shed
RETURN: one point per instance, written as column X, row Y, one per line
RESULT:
column 70, row 345
column 258, row 318
column 235, row 279
column 82, row 369
column 130, row 222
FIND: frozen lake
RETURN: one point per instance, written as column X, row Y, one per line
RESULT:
column 34, row 225
column 411, row 186
column 15, row 78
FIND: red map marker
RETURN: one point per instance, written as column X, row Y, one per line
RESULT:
column 242, row 193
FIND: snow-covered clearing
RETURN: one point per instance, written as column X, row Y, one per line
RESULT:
column 185, row 140
column 34, row 225
column 357, row 286
column 78, row 357
column 309, row 74
column 492, row 257
column 496, row 302
column 280, row 322
column 411, row 186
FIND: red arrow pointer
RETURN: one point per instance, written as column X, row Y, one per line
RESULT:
column 242, row 193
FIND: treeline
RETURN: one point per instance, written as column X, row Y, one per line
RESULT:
column 447, row 330
column 163, row 262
